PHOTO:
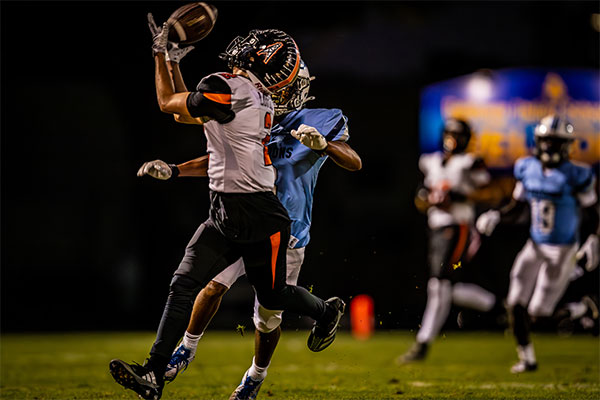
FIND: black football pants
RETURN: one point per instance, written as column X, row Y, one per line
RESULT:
column 210, row 252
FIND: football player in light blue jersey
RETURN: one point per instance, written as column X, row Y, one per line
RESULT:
column 301, row 141
column 560, row 193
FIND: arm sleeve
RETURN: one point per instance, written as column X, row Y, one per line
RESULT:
column 212, row 99
column 519, row 170
column 590, row 221
column 335, row 128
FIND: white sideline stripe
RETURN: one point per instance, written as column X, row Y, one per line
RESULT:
column 516, row 385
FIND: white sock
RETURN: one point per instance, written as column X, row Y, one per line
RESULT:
column 526, row 353
column 191, row 341
column 257, row 373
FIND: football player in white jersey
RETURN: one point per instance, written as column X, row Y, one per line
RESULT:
column 246, row 219
column 450, row 177
column 301, row 142
column 560, row 193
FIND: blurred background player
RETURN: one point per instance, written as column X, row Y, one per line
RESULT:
column 559, row 193
column 246, row 219
column 301, row 142
column 450, row 177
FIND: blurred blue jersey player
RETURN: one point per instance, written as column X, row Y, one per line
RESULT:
column 301, row 141
column 561, row 195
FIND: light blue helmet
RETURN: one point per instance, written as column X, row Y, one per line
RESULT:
column 294, row 96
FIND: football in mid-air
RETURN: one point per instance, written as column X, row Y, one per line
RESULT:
column 191, row 22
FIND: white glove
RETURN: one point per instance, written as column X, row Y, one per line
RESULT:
column 157, row 169
column 486, row 223
column 589, row 250
column 310, row 137
column 174, row 52
column 160, row 36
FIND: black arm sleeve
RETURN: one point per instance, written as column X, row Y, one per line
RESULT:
column 211, row 99
column 513, row 212
column 590, row 220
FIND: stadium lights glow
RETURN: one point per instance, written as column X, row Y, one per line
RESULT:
column 480, row 88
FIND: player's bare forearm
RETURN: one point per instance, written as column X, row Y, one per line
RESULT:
column 177, row 78
column 168, row 100
column 197, row 167
column 184, row 119
column 343, row 155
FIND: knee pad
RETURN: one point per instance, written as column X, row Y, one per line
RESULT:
column 266, row 320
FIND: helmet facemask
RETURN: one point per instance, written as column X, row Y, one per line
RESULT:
column 455, row 136
column 553, row 139
column 552, row 151
column 294, row 96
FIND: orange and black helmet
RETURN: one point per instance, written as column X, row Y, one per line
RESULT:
column 270, row 57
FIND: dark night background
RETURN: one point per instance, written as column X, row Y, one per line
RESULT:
column 88, row 245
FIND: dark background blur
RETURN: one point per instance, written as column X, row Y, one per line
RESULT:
column 88, row 245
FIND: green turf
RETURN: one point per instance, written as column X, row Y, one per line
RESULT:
column 460, row 366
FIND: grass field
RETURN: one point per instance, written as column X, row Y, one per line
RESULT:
column 461, row 366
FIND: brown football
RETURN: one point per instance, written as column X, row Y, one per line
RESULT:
column 191, row 22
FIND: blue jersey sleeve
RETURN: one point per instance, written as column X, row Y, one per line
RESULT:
column 520, row 168
column 331, row 123
column 581, row 177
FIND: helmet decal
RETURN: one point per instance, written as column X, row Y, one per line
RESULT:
column 270, row 51
column 269, row 56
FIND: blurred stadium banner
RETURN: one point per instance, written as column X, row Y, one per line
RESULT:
column 504, row 106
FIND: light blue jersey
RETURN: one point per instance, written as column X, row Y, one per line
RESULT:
column 298, row 166
column 553, row 197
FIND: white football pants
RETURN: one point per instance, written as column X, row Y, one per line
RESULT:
column 265, row 320
column 540, row 276
column 440, row 296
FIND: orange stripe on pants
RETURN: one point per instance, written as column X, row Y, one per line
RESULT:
column 275, row 239
column 460, row 244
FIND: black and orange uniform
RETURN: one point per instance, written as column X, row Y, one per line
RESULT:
column 246, row 219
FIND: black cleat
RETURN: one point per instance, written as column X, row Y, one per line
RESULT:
column 322, row 335
column 139, row 378
column 417, row 352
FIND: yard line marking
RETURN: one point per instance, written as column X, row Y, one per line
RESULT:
column 515, row 385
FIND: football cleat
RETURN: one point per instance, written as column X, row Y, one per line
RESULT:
column 322, row 335
column 523, row 366
column 181, row 358
column 417, row 352
column 139, row 378
column 248, row 389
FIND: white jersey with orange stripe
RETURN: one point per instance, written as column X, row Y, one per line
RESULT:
column 238, row 159
column 458, row 175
